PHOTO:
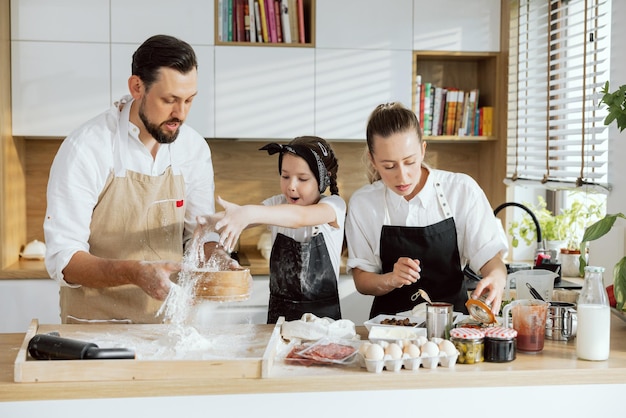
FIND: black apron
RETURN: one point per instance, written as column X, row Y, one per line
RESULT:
column 441, row 276
column 302, row 280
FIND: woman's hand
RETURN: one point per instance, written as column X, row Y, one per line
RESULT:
column 493, row 281
column 235, row 219
column 406, row 271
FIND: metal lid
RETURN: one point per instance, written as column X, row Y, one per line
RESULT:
column 467, row 333
column 480, row 311
column 500, row 333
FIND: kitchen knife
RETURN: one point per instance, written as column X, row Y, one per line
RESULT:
column 53, row 347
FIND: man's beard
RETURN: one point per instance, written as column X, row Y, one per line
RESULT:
column 155, row 130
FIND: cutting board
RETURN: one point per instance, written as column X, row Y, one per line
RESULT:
column 162, row 353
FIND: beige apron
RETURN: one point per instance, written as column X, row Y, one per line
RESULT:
column 137, row 217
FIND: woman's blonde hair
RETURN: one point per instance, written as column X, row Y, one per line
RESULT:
column 388, row 119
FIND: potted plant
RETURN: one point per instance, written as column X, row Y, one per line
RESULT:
column 565, row 228
column 616, row 106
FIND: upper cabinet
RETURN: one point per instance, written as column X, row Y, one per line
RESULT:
column 135, row 21
column 356, row 55
column 264, row 92
column 456, row 25
column 364, row 24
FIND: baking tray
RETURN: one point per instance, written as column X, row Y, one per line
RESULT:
column 253, row 359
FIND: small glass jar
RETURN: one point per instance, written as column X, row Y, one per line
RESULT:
column 480, row 310
column 500, row 344
column 470, row 342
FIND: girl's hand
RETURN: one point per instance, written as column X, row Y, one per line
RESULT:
column 406, row 271
column 236, row 218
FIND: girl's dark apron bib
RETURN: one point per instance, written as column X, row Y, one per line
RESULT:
column 437, row 249
column 302, row 280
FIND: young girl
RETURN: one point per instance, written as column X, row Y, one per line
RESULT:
column 307, row 230
column 414, row 227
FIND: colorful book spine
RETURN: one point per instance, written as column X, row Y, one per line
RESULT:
column 264, row 28
column 416, row 99
column 284, row 20
column 453, row 96
column 278, row 22
column 427, row 109
column 302, row 32
column 434, row 129
column 251, row 21
column 270, row 14
column 488, row 121
column 293, row 21
column 229, row 21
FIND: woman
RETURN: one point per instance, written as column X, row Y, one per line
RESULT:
column 414, row 227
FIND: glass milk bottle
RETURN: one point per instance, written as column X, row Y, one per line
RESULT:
column 594, row 317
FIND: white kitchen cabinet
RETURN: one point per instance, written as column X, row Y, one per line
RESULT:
column 60, row 20
column 456, row 25
column 57, row 86
column 190, row 20
column 264, row 92
column 364, row 24
column 350, row 83
column 202, row 114
column 23, row 300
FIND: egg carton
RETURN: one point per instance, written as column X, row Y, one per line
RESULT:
column 389, row 363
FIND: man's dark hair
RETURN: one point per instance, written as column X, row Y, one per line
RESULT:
column 162, row 51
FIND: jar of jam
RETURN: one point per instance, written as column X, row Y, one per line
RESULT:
column 500, row 344
column 470, row 343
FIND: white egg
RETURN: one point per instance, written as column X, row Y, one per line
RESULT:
column 447, row 347
column 383, row 343
column 412, row 350
column 394, row 351
column 430, row 349
column 421, row 340
column 375, row 352
column 363, row 348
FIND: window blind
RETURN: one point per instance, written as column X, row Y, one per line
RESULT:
column 558, row 63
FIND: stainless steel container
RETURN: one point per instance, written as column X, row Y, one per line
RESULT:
column 561, row 322
column 438, row 319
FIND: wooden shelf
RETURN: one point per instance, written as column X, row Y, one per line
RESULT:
column 309, row 23
column 482, row 157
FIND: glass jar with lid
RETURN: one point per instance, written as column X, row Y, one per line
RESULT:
column 500, row 344
column 470, row 342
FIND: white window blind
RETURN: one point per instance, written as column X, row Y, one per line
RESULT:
column 558, row 63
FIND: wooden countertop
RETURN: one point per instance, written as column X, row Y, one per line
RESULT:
column 555, row 365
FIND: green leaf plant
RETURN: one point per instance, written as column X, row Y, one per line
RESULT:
column 598, row 230
column 616, row 105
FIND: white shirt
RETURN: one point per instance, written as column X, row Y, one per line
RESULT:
column 332, row 236
column 480, row 235
column 83, row 164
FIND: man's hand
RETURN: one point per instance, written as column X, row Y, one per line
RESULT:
column 154, row 277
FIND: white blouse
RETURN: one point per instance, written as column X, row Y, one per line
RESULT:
column 480, row 235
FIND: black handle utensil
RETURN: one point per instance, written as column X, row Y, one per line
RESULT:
column 533, row 291
column 53, row 347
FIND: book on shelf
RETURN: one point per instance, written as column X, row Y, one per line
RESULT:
column 239, row 22
column 263, row 14
column 270, row 14
column 284, row 20
column 301, row 31
column 251, row 21
column 487, row 120
column 428, row 106
column 451, row 105
column 229, row 21
column 436, row 111
column 278, row 21
column 257, row 22
column 416, row 99
column 293, row 21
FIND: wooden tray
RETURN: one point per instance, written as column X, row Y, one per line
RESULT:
column 255, row 362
